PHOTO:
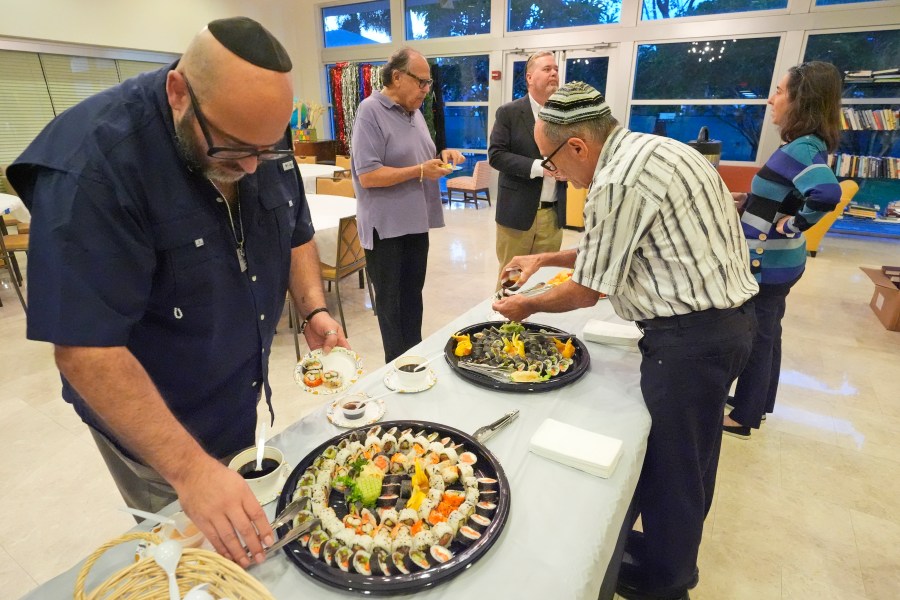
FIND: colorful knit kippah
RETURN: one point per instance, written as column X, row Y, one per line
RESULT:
column 573, row 103
column 252, row 42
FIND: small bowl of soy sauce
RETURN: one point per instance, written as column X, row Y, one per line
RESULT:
column 407, row 376
column 266, row 481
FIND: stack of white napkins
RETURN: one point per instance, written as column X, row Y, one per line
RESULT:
column 614, row 334
column 586, row 451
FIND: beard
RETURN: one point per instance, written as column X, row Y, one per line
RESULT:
column 192, row 152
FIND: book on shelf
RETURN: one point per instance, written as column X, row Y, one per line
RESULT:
column 894, row 71
column 849, row 165
column 882, row 119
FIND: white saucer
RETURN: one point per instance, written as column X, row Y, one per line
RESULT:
column 344, row 361
column 390, row 382
column 271, row 497
column 373, row 414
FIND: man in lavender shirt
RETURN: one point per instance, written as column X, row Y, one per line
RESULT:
column 395, row 175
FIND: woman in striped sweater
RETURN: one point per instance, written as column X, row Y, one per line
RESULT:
column 789, row 195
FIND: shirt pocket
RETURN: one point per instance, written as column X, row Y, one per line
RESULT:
column 190, row 250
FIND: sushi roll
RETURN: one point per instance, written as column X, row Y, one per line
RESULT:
column 361, row 562
column 313, row 378
column 479, row 522
column 409, row 516
column 488, row 496
column 419, row 559
column 374, row 431
column 440, row 554
column 379, row 562
column 465, row 470
column 425, row 508
column 307, row 479
column 470, row 482
column 456, row 520
column 423, row 539
column 486, row 483
column 455, row 496
column 467, row 508
column 437, row 483
column 405, row 441
column 399, row 464
column 443, row 535
column 316, row 541
column 390, row 517
column 328, row 552
column 435, row 495
column 372, row 441
column 312, row 364
column 342, row 457
column 388, row 443
column 332, row 379
column 449, row 454
column 402, row 562
column 330, row 452
column 472, row 495
column 403, row 542
column 343, row 557
column 382, row 540
column 387, row 500
column 468, row 535
column 382, row 461
column 468, row 458
column 436, row 448
column 485, row 509
column 434, row 435
column 363, row 542
column 450, row 474
column 346, row 536
column 446, row 441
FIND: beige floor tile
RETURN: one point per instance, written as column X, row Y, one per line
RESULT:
column 879, row 553
column 16, row 581
column 796, row 585
column 724, row 572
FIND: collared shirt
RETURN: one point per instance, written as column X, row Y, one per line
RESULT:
column 662, row 236
column 387, row 135
column 797, row 181
column 548, row 191
column 130, row 248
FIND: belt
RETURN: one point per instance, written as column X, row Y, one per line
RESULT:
column 689, row 320
column 544, row 205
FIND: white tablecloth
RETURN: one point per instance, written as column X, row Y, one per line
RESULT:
column 563, row 524
column 309, row 172
column 327, row 212
column 13, row 206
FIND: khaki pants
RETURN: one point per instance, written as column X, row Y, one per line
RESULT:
column 545, row 235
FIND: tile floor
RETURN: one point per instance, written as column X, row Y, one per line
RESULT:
column 809, row 508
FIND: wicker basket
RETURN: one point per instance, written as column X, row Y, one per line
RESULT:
column 146, row 580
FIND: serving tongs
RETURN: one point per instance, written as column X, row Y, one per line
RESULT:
column 495, row 373
column 292, row 535
column 483, row 434
column 290, row 511
column 536, row 289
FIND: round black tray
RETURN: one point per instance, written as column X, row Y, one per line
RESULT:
column 486, row 464
column 582, row 362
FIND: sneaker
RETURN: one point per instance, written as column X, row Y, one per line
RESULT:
column 742, row 433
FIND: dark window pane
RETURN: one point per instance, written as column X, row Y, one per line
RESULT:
column 739, row 69
column 592, row 71
column 736, row 126
column 830, row 2
column 464, row 78
column 663, row 9
column 445, row 18
column 466, row 126
column 527, row 15
column 857, row 51
column 355, row 24
column 520, row 88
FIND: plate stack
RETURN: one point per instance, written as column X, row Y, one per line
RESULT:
column 612, row 334
column 586, row 451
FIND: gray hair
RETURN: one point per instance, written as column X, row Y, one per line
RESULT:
column 592, row 130
column 529, row 65
column 399, row 61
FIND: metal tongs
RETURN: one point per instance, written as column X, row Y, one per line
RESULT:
column 292, row 535
column 483, row 434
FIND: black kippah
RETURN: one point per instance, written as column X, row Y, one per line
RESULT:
column 252, row 42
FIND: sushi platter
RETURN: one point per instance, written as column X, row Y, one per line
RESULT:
column 402, row 505
column 517, row 357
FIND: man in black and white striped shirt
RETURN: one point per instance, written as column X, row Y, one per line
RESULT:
column 664, row 242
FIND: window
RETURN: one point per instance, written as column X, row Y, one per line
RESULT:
column 528, row 15
column 722, row 84
column 356, row 24
column 663, row 9
column 860, row 51
column 832, row 2
column 464, row 89
column 591, row 70
column 446, row 18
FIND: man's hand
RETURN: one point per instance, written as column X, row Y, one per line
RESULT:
column 453, row 157
column 514, row 308
column 324, row 332
column 526, row 264
column 435, row 169
column 221, row 505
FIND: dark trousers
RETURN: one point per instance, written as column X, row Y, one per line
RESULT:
column 688, row 365
column 757, row 385
column 397, row 268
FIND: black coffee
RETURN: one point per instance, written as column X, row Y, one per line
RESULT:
column 409, row 368
column 249, row 471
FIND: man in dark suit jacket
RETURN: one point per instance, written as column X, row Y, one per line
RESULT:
column 531, row 203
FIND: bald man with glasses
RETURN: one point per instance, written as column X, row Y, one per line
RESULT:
column 168, row 223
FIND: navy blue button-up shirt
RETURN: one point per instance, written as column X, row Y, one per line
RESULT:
column 131, row 248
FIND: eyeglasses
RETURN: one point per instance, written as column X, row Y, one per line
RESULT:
column 423, row 83
column 231, row 152
column 547, row 163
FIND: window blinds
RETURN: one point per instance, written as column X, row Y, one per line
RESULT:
column 71, row 79
column 24, row 102
column 131, row 68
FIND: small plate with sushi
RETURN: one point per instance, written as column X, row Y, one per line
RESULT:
column 318, row 373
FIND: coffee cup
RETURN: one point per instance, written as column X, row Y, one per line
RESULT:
column 266, row 482
column 407, row 377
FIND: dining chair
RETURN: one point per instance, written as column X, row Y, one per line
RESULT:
column 474, row 188
column 308, row 160
column 16, row 242
column 350, row 259
column 337, row 185
column 815, row 233
column 342, row 160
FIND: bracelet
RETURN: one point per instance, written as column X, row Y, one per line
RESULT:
column 310, row 316
column 421, row 172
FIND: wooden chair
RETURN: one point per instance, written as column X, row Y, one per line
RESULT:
column 815, row 233
column 339, row 185
column 575, row 199
column 342, row 160
column 309, row 160
column 350, row 259
column 474, row 188
column 16, row 242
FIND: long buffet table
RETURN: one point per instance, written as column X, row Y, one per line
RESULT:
column 563, row 524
